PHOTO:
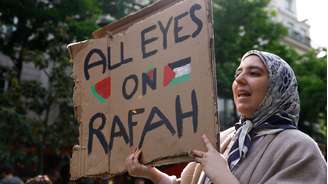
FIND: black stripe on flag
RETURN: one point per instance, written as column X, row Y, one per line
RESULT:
column 180, row 63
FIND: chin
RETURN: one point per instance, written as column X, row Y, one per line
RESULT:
column 244, row 111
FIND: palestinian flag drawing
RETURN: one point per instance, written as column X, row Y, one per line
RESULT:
column 102, row 89
column 150, row 71
column 177, row 72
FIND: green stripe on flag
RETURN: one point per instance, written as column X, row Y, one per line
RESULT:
column 94, row 92
column 149, row 67
column 180, row 80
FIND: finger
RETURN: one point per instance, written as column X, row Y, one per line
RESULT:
column 137, row 153
column 131, row 156
column 131, row 149
column 197, row 153
column 207, row 143
column 128, row 164
column 128, row 168
column 199, row 160
column 129, row 159
column 132, row 152
column 135, row 161
column 224, row 144
column 134, row 155
column 135, row 149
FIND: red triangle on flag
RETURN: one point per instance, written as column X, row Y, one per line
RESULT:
column 168, row 75
column 150, row 74
column 103, row 87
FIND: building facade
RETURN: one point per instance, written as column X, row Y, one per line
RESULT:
column 298, row 30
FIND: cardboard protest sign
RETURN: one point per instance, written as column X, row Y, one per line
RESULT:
column 148, row 81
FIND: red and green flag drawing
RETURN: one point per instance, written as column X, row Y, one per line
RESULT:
column 102, row 89
column 177, row 72
column 150, row 71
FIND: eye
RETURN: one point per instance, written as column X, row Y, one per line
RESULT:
column 237, row 73
column 255, row 73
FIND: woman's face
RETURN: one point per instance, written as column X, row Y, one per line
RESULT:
column 250, row 85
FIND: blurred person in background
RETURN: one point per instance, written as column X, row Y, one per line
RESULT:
column 7, row 174
column 40, row 179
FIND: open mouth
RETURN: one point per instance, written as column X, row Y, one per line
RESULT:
column 243, row 93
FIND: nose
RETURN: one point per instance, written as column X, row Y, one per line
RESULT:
column 240, row 79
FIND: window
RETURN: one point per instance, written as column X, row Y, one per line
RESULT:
column 303, row 32
column 290, row 27
column 289, row 5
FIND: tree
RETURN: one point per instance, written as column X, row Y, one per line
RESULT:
column 244, row 25
column 114, row 10
column 240, row 26
column 311, row 74
column 38, row 116
column 34, row 31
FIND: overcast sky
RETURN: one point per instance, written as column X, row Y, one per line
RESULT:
column 316, row 11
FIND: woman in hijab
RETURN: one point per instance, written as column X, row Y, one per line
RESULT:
column 265, row 145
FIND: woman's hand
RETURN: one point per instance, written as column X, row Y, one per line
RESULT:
column 214, row 164
column 136, row 169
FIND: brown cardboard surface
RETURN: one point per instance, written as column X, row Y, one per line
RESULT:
column 157, row 83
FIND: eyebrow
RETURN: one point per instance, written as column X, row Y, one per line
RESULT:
column 250, row 68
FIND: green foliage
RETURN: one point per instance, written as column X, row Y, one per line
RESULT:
column 311, row 74
column 38, row 116
column 119, row 8
column 35, row 115
column 244, row 25
column 241, row 26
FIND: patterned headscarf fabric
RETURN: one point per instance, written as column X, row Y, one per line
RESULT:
column 279, row 110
